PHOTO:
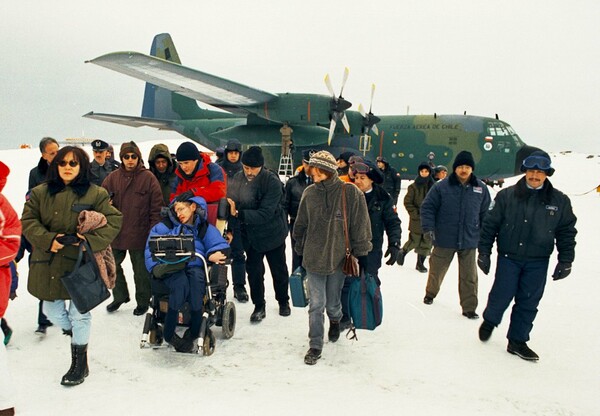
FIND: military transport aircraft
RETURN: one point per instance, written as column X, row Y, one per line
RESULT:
column 255, row 117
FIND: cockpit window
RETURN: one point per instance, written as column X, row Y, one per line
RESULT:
column 497, row 129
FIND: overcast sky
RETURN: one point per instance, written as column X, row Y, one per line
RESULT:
column 536, row 64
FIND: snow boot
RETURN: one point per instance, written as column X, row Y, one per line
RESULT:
column 334, row 331
column 485, row 330
column 185, row 344
column 420, row 266
column 79, row 366
column 239, row 292
column 312, row 356
column 259, row 313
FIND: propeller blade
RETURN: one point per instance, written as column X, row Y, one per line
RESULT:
column 346, row 73
column 331, row 130
column 372, row 94
column 345, row 123
column 361, row 110
column 375, row 130
column 329, row 86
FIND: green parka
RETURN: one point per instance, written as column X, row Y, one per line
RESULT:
column 45, row 216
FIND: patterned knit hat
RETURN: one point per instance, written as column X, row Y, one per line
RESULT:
column 323, row 160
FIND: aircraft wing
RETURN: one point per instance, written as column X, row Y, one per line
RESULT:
column 131, row 121
column 189, row 82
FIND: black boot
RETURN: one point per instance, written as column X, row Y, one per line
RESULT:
column 420, row 266
column 334, row 331
column 185, row 344
column 79, row 366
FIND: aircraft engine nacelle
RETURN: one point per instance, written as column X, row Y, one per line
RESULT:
column 296, row 109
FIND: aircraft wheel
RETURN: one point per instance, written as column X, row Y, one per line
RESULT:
column 209, row 344
column 228, row 323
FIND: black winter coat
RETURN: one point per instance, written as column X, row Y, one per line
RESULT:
column 260, row 211
column 383, row 218
column 526, row 224
column 455, row 212
column 294, row 188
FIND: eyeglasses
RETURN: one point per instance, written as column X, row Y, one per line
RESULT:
column 72, row 163
column 360, row 167
column 537, row 162
column 132, row 157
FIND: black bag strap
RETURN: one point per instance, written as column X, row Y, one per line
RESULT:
column 89, row 256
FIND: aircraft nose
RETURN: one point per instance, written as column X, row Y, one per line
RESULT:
column 522, row 153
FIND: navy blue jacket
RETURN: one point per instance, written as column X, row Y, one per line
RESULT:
column 454, row 212
column 526, row 223
column 383, row 218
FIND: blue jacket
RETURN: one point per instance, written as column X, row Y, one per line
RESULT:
column 211, row 242
column 455, row 212
column 527, row 223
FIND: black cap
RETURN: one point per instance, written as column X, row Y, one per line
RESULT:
column 463, row 158
column 99, row 145
column 187, row 151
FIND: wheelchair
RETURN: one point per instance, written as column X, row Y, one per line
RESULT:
column 216, row 311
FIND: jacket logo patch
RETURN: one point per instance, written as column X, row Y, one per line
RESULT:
column 552, row 209
column 478, row 189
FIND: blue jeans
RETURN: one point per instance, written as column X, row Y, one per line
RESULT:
column 525, row 282
column 325, row 294
column 80, row 324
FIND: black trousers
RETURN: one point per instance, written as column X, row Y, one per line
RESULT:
column 255, row 268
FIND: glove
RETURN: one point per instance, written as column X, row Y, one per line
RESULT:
column 483, row 261
column 561, row 271
column 13, row 295
column 362, row 263
column 392, row 251
column 429, row 236
column 162, row 270
column 184, row 196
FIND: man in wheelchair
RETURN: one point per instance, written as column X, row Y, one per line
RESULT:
column 173, row 261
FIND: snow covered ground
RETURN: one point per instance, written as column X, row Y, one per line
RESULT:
column 423, row 360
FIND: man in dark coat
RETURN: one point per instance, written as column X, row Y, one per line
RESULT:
column 451, row 217
column 101, row 166
column 136, row 193
column 232, row 164
column 526, row 221
column 162, row 166
column 255, row 198
column 294, row 188
column 48, row 148
column 391, row 179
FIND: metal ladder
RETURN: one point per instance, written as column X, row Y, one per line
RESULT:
column 285, row 166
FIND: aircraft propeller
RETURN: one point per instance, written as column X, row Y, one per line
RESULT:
column 369, row 119
column 338, row 105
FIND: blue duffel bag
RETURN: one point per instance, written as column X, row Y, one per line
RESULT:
column 365, row 303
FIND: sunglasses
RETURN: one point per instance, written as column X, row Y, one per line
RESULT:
column 132, row 157
column 360, row 167
column 72, row 163
column 537, row 162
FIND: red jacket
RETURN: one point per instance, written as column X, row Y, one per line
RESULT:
column 10, row 239
column 208, row 181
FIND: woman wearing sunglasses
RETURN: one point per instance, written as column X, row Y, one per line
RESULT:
column 52, row 212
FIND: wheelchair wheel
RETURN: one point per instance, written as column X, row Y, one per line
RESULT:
column 208, row 347
column 155, row 336
column 228, row 320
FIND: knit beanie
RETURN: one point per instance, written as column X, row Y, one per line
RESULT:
column 253, row 157
column 187, row 151
column 424, row 165
column 463, row 158
column 130, row 147
column 324, row 161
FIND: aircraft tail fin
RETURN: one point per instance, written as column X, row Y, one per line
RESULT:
column 164, row 104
